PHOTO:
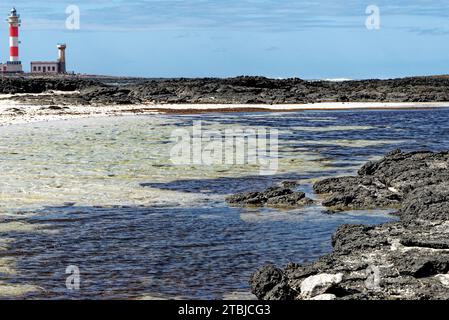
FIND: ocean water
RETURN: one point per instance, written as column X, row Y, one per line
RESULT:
column 103, row 196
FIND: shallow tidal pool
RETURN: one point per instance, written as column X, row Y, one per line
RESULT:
column 103, row 195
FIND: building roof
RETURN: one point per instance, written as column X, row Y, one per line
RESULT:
column 47, row 62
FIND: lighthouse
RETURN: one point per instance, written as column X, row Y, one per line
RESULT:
column 13, row 65
column 14, row 24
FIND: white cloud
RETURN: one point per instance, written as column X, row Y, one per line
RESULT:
column 263, row 15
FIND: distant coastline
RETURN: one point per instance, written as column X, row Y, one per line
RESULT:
column 43, row 98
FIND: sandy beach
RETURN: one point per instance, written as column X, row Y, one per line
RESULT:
column 14, row 112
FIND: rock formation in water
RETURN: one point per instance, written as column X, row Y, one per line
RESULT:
column 241, row 90
column 408, row 259
column 272, row 197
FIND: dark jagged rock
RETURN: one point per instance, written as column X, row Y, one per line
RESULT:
column 432, row 241
column 357, row 193
column 386, row 183
column 260, row 90
column 295, row 199
column 13, row 85
column 241, row 90
column 428, row 203
column 408, row 259
column 273, row 197
column 274, row 286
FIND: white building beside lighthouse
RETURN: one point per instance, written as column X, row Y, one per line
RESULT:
column 51, row 67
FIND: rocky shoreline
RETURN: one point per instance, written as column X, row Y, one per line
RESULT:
column 92, row 90
column 280, row 197
column 408, row 259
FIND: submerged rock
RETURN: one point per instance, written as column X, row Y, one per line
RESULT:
column 295, row 199
column 273, row 197
column 408, row 259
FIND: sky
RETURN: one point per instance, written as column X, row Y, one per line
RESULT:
column 325, row 39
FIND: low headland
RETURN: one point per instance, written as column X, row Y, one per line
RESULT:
column 35, row 98
column 239, row 90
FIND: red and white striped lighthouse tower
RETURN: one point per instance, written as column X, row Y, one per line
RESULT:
column 14, row 24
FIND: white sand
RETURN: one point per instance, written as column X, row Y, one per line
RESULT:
column 308, row 106
column 12, row 112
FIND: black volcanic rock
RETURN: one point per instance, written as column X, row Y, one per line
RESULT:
column 260, row 90
column 408, row 259
column 273, row 197
column 386, row 183
column 13, row 85
column 357, row 193
column 428, row 203
column 295, row 199
column 241, row 90
column 270, row 283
